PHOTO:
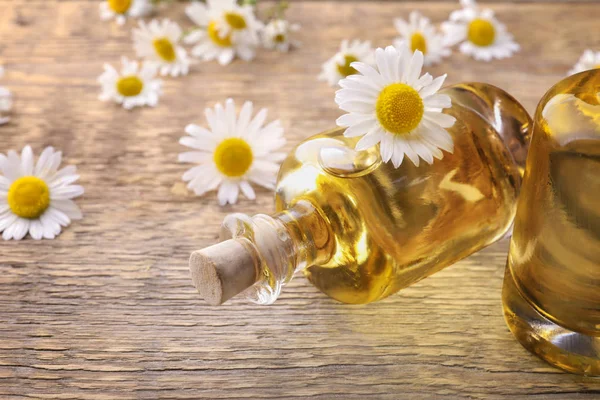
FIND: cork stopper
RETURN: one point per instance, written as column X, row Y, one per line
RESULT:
column 222, row 271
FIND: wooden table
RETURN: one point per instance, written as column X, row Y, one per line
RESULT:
column 107, row 311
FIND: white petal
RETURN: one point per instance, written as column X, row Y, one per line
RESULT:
column 226, row 57
column 443, row 120
column 358, row 107
column 198, row 144
column 36, row 230
column 66, row 192
column 247, row 190
column 50, row 226
column 230, row 116
column 421, row 150
column 244, row 118
column 399, row 151
column 386, row 147
column 198, row 171
column 352, row 119
column 370, row 73
column 4, row 183
column 438, row 101
column 257, row 122
column 433, row 87
column 69, row 208
column 200, row 132
column 7, row 220
column 63, row 181
column 381, row 58
column 58, row 216
column 8, row 232
column 411, row 154
column 225, row 192
column 27, row 161
column 360, row 128
column 194, row 157
column 370, row 139
column 21, row 228
column 414, row 70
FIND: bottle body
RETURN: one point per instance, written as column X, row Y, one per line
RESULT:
column 552, row 284
column 361, row 230
column 390, row 227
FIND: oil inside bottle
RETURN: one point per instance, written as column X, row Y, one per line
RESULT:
column 552, row 284
column 389, row 228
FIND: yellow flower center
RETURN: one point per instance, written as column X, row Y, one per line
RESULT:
column 119, row 6
column 418, row 42
column 28, row 197
column 233, row 157
column 345, row 69
column 164, row 48
column 129, row 86
column 213, row 34
column 279, row 38
column 399, row 108
column 235, row 20
column 481, row 32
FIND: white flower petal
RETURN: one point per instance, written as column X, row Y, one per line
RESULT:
column 443, row 120
column 433, row 87
column 7, row 220
column 69, row 208
column 247, row 190
column 438, row 101
column 66, row 192
column 36, row 229
column 27, row 161
column 370, row 139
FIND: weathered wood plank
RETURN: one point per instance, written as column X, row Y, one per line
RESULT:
column 108, row 310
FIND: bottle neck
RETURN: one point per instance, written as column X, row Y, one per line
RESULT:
column 281, row 244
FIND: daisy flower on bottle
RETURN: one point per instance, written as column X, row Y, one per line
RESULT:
column 338, row 66
column 36, row 197
column 158, row 43
column 226, row 30
column 588, row 60
column 479, row 33
column 120, row 10
column 419, row 34
column 5, row 100
column 232, row 152
column 132, row 86
column 393, row 105
column 277, row 35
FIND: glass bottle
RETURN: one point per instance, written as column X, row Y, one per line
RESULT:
column 551, row 290
column 361, row 230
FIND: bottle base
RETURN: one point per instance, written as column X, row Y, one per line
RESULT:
column 571, row 351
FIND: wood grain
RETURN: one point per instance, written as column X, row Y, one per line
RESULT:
column 108, row 310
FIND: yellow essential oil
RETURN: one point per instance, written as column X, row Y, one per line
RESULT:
column 552, row 284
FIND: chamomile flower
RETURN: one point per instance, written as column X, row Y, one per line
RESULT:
column 338, row 66
column 393, row 105
column 36, row 197
column 158, row 43
column 132, row 87
column 479, row 33
column 419, row 34
column 226, row 30
column 588, row 60
column 5, row 100
column 277, row 35
column 232, row 152
column 121, row 9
